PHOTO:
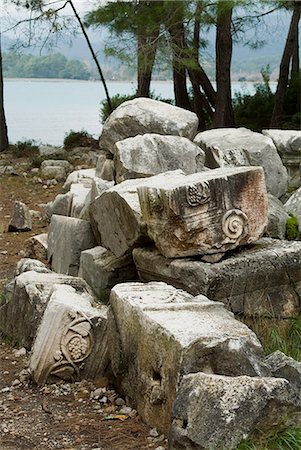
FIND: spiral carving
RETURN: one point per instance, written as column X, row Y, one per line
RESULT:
column 197, row 195
column 234, row 224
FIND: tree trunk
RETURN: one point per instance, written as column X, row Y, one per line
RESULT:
column 3, row 127
column 177, row 33
column 146, row 53
column 223, row 116
column 277, row 114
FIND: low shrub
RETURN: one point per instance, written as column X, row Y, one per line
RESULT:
column 25, row 148
column 79, row 139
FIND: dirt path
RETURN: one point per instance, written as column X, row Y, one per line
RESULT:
column 62, row 416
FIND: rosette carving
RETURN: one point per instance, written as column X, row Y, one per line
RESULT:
column 234, row 224
column 75, row 346
column 197, row 195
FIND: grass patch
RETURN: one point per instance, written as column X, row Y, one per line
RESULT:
column 292, row 228
column 24, row 149
column 280, row 439
column 283, row 335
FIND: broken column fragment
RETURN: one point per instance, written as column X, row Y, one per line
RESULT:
column 71, row 341
column 150, row 154
column 102, row 270
column 213, row 412
column 21, row 314
column 116, row 215
column 263, row 280
column 205, row 213
column 67, row 238
column 158, row 333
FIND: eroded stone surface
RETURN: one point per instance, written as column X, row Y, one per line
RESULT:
column 277, row 218
column 36, row 247
column 67, row 238
column 71, row 341
column 102, row 270
column 116, row 215
column 158, row 333
column 150, row 154
column 214, row 412
column 283, row 366
column 204, row 213
column 21, row 218
column 242, row 147
column 288, row 144
column 22, row 312
column 28, row 264
column 144, row 115
column 263, row 280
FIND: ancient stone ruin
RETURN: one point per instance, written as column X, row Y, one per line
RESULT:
column 151, row 257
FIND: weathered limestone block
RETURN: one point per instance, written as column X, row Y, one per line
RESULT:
column 293, row 206
column 21, row 218
column 79, row 194
column 214, row 412
column 158, row 333
column 22, row 312
column 151, row 154
column 28, row 264
column 242, row 147
column 71, row 341
column 83, row 176
column 60, row 206
column 288, row 144
column 116, row 215
column 283, row 366
column 57, row 169
column 263, row 280
column 105, row 168
column 144, row 115
column 36, row 247
column 277, row 218
column 102, row 270
column 51, row 151
column 205, row 213
column 67, row 238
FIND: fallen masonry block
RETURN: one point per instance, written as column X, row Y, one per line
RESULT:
column 79, row 194
column 36, row 247
column 28, row 264
column 214, row 412
column 157, row 334
column 144, row 115
column 116, row 215
column 102, row 270
column 226, row 147
column 205, row 213
column 150, row 154
column 22, row 312
column 277, row 218
column 21, row 218
column 71, row 341
column 282, row 366
column 67, row 238
column 262, row 280
column 83, row 176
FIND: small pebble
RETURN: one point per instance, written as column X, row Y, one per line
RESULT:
column 119, row 402
column 20, row 352
column 16, row 382
column 125, row 410
column 103, row 400
column 153, row 432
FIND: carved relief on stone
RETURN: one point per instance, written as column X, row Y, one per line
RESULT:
column 75, row 346
column 234, row 224
column 155, row 201
column 198, row 194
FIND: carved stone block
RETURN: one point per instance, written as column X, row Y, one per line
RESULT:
column 205, row 213
column 158, row 333
column 116, row 215
column 22, row 311
column 71, row 341
column 259, row 281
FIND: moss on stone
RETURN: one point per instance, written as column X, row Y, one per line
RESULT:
column 292, row 228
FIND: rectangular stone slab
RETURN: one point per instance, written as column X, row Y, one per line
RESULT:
column 158, row 333
column 205, row 213
column 263, row 280
column 71, row 342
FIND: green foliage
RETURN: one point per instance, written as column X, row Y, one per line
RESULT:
column 282, row 438
column 255, row 111
column 51, row 66
column 24, row 148
column 292, row 228
column 79, row 139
